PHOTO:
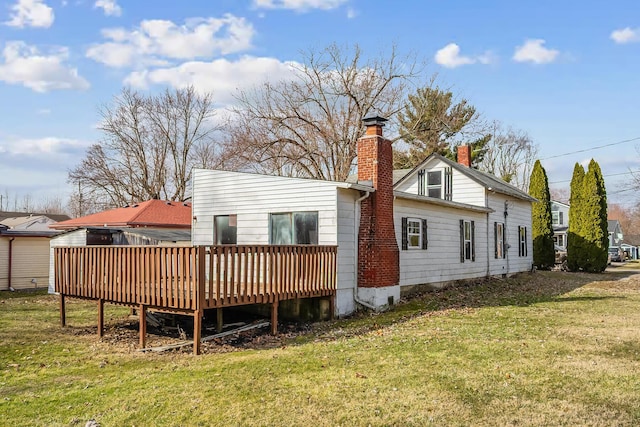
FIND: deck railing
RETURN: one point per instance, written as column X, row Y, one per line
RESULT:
column 195, row 278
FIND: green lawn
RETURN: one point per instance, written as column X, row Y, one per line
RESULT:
column 550, row 348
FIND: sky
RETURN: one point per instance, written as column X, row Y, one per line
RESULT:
column 566, row 72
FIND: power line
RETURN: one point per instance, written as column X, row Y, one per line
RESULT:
column 592, row 148
column 604, row 176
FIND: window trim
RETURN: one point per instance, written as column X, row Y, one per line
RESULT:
column 499, row 243
column 423, row 242
column 292, row 229
column 464, row 240
column 216, row 231
column 430, row 186
column 522, row 241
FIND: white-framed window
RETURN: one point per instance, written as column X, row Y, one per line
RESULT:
column 499, row 240
column 522, row 241
column 559, row 240
column 557, row 218
column 467, row 241
column 414, row 233
column 293, row 228
column 226, row 229
column 434, row 184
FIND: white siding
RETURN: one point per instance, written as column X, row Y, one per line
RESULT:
column 464, row 189
column 29, row 262
column 4, row 263
column 72, row 238
column 518, row 214
column 253, row 197
column 441, row 261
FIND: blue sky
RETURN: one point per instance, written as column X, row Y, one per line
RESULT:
column 566, row 71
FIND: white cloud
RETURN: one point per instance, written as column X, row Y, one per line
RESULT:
column 109, row 7
column 299, row 5
column 351, row 13
column 533, row 50
column 626, row 35
column 25, row 65
column 449, row 56
column 36, row 146
column 156, row 40
column 221, row 76
column 31, row 13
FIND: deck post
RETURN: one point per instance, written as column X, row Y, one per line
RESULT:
column 100, row 317
column 63, row 311
column 197, row 331
column 274, row 317
column 332, row 307
column 142, row 316
column 218, row 320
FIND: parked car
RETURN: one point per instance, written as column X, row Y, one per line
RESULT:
column 615, row 255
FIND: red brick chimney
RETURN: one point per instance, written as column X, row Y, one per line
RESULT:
column 378, row 255
column 464, row 155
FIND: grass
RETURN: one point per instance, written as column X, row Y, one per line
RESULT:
column 550, row 348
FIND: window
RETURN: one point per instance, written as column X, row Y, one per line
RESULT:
column 555, row 218
column 294, row 228
column 522, row 240
column 434, row 184
column 226, row 229
column 559, row 240
column 414, row 233
column 499, row 239
column 467, row 241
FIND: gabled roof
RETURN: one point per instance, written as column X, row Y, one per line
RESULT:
column 487, row 180
column 560, row 203
column 612, row 224
column 152, row 213
column 56, row 217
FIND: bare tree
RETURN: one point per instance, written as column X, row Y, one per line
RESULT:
column 308, row 126
column 151, row 144
column 510, row 155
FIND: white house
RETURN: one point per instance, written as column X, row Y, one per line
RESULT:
column 560, row 221
column 440, row 222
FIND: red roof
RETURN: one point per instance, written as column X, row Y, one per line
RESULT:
column 152, row 213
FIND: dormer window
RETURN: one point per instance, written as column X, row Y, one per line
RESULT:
column 432, row 184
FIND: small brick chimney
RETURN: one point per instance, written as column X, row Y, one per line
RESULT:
column 378, row 255
column 464, row 155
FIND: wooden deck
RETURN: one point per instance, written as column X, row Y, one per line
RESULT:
column 190, row 279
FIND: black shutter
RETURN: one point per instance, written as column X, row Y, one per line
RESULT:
column 421, row 182
column 495, row 240
column 473, row 241
column 461, row 240
column 504, row 241
column 425, row 242
column 526, row 249
column 405, row 238
column 448, row 183
column 560, row 221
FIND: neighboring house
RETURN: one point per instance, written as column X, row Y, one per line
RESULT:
column 439, row 222
column 154, row 222
column 24, row 249
column 631, row 246
column 560, row 222
column 615, row 233
column 152, row 213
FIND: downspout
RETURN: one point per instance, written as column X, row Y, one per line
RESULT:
column 486, row 203
column 9, row 287
column 506, row 235
column 356, row 229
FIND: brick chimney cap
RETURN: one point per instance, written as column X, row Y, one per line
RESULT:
column 374, row 119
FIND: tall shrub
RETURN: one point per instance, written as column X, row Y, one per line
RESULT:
column 594, row 220
column 574, row 236
column 541, row 223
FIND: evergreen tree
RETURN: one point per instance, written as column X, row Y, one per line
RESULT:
column 594, row 217
column 574, row 237
column 541, row 223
